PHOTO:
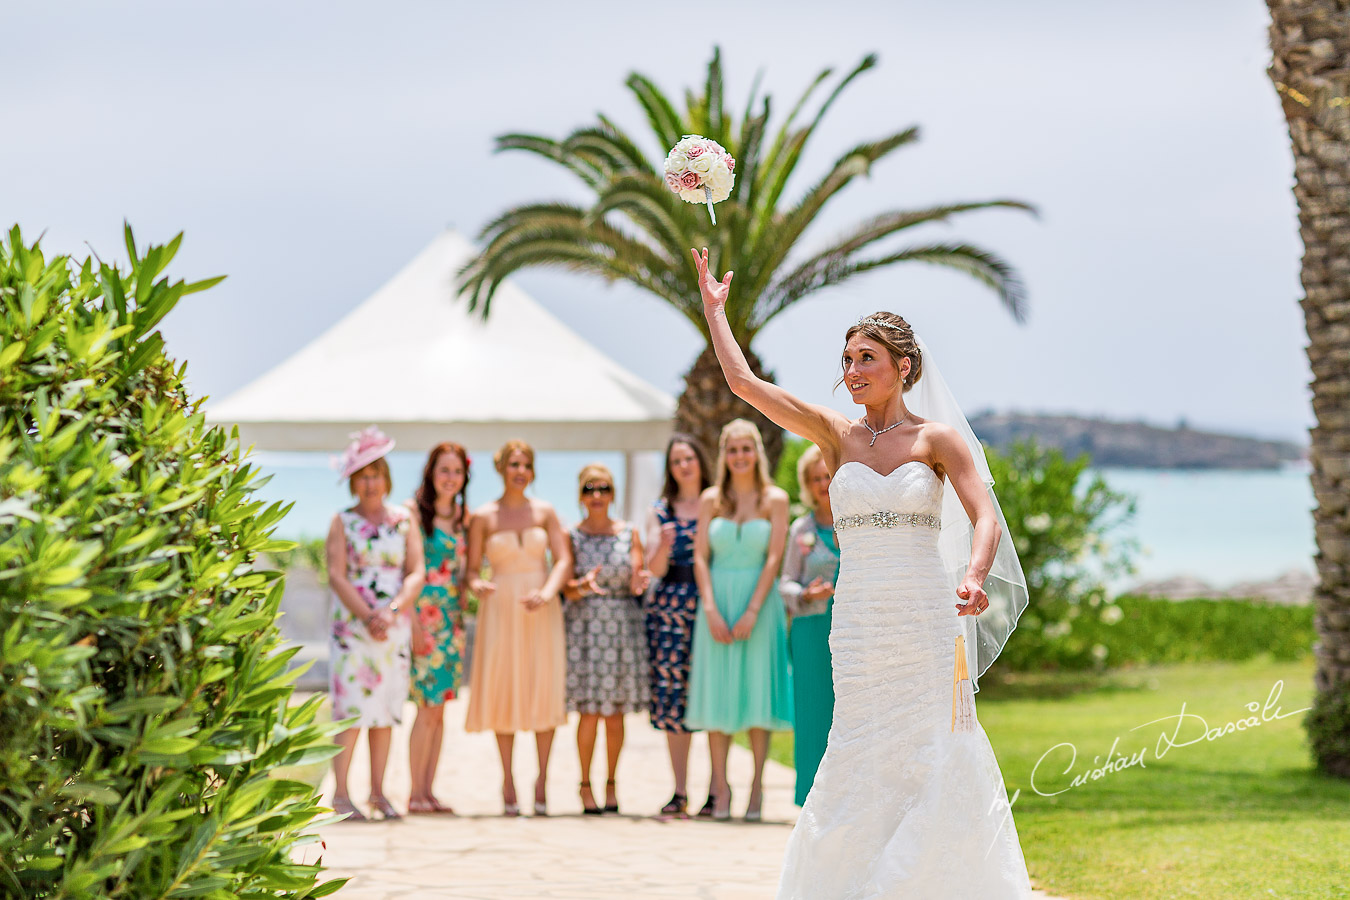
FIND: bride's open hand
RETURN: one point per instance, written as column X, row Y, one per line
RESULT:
column 714, row 292
column 977, row 601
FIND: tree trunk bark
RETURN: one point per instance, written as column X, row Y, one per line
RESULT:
column 708, row 403
column 1310, row 44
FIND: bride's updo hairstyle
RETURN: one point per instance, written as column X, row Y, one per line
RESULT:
column 893, row 333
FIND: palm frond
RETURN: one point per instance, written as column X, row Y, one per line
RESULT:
column 551, row 150
column 512, row 239
column 821, row 269
column 781, row 164
column 775, row 237
column 661, row 115
column 980, row 264
column 650, row 206
column 712, row 97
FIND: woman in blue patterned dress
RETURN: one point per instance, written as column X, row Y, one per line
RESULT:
column 438, row 619
column 810, row 570
column 375, row 570
column 671, row 526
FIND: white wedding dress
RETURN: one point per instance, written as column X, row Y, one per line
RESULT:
column 901, row 807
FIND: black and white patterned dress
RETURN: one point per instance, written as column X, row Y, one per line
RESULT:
column 606, row 640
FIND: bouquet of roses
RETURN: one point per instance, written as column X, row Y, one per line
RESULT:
column 700, row 171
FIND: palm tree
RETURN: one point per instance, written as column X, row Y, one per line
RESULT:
column 1310, row 42
column 639, row 231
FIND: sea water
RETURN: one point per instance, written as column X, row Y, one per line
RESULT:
column 1221, row 526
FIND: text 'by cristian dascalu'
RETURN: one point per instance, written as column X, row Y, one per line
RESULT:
column 1185, row 729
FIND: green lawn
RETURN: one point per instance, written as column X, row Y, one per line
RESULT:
column 1238, row 816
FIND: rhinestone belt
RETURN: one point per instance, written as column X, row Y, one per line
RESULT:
column 887, row 520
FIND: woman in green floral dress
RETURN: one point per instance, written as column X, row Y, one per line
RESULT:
column 438, row 620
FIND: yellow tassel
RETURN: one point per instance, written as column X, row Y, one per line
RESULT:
column 963, row 695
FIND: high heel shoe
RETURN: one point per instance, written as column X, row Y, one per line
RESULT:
column 588, row 809
column 724, row 813
column 755, row 811
column 611, row 807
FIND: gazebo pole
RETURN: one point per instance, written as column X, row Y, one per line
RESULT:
column 629, row 495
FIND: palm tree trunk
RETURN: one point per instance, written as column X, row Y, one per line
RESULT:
column 1310, row 41
column 708, row 403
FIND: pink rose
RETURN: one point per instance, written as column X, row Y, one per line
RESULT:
column 673, row 182
column 731, row 163
column 694, row 151
column 689, row 181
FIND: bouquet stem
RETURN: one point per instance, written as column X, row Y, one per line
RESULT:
column 707, row 192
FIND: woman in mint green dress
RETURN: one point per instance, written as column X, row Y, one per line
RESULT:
column 810, row 570
column 739, row 675
column 438, row 618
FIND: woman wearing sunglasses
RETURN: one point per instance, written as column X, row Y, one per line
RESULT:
column 606, row 640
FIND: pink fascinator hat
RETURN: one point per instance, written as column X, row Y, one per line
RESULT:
column 366, row 447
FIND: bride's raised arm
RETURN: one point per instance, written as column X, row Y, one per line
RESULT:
column 818, row 424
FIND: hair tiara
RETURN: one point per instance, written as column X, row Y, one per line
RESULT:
column 880, row 323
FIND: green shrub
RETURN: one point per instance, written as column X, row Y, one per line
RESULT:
column 143, row 698
column 1155, row 631
column 1060, row 521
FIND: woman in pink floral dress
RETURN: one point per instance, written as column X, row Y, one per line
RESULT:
column 375, row 570
column 438, row 619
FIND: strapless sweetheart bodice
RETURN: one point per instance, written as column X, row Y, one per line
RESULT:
column 912, row 488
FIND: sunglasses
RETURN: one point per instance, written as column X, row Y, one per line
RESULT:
column 598, row 489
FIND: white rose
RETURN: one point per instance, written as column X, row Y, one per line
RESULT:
column 702, row 165
column 694, row 196
column 676, row 161
column 720, row 180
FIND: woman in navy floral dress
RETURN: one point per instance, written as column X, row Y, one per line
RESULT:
column 674, row 602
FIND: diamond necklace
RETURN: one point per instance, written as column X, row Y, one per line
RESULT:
column 876, row 434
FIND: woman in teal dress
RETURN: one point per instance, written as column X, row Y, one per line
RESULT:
column 438, row 618
column 739, row 673
column 810, row 569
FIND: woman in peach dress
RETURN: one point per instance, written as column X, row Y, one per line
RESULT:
column 518, row 678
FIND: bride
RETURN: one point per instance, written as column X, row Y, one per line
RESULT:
column 905, row 803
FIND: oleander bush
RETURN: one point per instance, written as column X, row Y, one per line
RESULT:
column 1064, row 521
column 144, row 696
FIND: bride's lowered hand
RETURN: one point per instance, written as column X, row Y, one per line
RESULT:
column 977, row 601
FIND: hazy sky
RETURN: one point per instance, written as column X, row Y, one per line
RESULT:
column 310, row 149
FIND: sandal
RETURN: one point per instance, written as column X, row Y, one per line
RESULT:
column 588, row 809
column 678, row 806
column 345, row 807
column 611, row 807
column 385, row 808
column 441, row 809
column 707, row 810
column 421, row 807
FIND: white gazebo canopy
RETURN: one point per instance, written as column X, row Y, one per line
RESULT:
column 415, row 361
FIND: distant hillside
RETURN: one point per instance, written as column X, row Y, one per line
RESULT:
column 1135, row 444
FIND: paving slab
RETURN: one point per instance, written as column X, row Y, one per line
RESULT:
column 478, row 853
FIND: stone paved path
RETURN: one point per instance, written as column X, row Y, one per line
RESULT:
column 479, row 855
